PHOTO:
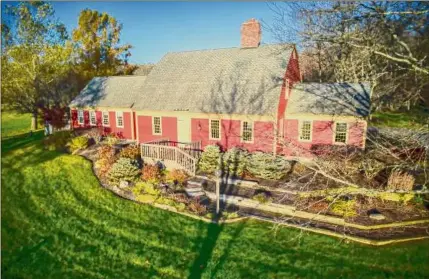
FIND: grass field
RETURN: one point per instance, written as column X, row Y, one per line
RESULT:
column 410, row 120
column 13, row 124
column 57, row 222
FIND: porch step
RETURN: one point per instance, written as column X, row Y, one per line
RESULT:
column 194, row 184
column 196, row 194
column 193, row 189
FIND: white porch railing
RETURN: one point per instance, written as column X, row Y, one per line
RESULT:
column 171, row 151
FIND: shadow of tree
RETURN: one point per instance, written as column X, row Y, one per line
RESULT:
column 20, row 141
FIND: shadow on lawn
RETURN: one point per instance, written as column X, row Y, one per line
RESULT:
column 18, row 141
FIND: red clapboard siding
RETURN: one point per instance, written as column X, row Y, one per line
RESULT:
column 168, row 128
column 230, row 131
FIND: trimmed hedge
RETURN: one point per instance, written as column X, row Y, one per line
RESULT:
column 235, row 161
column 209, row 159
column 267, row 166
column 124, row 169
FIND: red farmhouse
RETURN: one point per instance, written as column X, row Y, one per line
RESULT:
column 250, row 96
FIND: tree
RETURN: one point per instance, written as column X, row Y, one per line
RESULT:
column 96, row 41
column 385, row 43
column 35, row 57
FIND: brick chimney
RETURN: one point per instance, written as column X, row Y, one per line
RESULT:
column 250, row 33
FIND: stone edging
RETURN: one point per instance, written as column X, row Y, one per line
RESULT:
column 340, row 190
column 344, row 236
column 291, row 211
column 314, row 230
column 118, row 192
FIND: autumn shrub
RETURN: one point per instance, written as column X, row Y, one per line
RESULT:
column 177, row 176
column 267, row 166
column 180, row 198
column 196, row 207
column 209, row 159
column 400, row 181
column 146, row 188
column 262, row 198
column 77, row 143
column 96, row 135
column 344, row 208
column 124, row 169
column 151, row 173
column 235, row 161
column 230, row 215
column 112, row 139
column 299, row 168
column 180, row 206
column 132, row 151
column 106, row 158
column 57, row 141
column 106, row 152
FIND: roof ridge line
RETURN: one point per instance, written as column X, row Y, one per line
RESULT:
column 208, row 49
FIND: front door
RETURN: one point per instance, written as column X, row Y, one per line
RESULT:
column 183, row 129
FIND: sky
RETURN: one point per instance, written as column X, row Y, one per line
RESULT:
column 156, row 28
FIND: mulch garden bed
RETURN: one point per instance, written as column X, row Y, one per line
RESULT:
column 392, row 211
column 379, row 234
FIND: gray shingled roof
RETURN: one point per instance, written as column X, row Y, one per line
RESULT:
column 352, row 99
column 143, row 70
column 115, row 91
column 233, row 80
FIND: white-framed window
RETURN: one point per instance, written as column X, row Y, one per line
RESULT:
column 340, row 132
column 106, row 118
column 92, row 118
column 119, row 119
column 215, row 129
column 156, row 125
column 305, row 130
column 247, row 131
column 80, row 118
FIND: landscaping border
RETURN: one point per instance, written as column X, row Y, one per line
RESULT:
column 361, row 240
column 120, row 193
column 292, row 212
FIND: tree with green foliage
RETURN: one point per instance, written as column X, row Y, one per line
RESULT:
column 97, row 43
column 35, row 58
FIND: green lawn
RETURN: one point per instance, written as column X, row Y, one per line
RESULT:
column 412, row 119
column 57, row 222
column 13, row 124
